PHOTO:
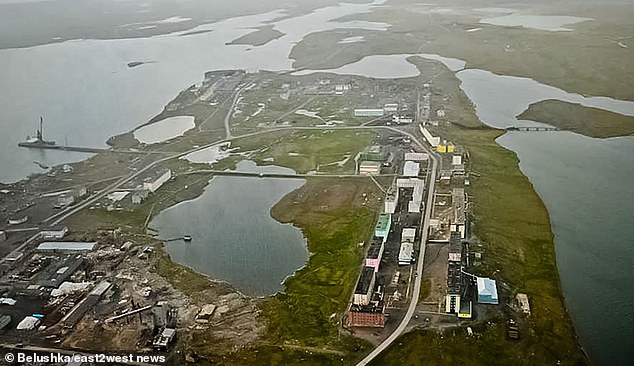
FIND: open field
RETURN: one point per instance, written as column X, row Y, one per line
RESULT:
column 588, row 121
column 330, row 152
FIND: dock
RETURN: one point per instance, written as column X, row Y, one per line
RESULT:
column 531, row 128
column 92, row 150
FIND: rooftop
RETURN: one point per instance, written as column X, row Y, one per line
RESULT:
column 375, row 248
column 363, row 286
column 67, row 245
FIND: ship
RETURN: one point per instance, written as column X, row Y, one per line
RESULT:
column 38, row 140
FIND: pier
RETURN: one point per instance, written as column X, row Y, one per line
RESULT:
column 531, row 128
column 93, row 150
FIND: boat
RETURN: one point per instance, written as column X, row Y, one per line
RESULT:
column 18, row 221
column 187, row 237
column 38, row 140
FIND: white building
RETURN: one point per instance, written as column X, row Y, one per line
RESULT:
column 456, row 160
column 54, row 234
column 408, row 234
column 405, row 254
column 431, row 140
column 391, row 200
column 153, row 184
column 401, row 119
column 411, row 169
column 368, row 112
column 416, row 156
column 390, row 107
column 370, row 167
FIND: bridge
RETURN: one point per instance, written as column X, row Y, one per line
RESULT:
column 531, row 128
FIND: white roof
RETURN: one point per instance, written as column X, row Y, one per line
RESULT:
column 487, row 287
column 408, row 231
column 67, row 245
column 414, row 156
column 411, row 169
column 28, row 323
column 406, row 251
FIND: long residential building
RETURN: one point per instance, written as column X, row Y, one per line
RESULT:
column 365, row 287
column 375, row 253
column 382, row 228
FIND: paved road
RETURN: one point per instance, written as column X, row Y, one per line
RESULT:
column 419, row 267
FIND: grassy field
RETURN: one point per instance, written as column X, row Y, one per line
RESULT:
column 588, row 121
column 320, row 151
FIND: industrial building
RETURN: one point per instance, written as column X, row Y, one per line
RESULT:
column 406, row 253
column 66, row 246
column 365, row 287
column 487, row 291
column 79, row 310
column 368, row 112
column 154, row 183
column 375, row 253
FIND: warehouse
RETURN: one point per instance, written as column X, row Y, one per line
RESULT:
column 66, row 246
column 152, row 184
column 487, row 291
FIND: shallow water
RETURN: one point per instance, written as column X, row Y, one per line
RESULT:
column 234, row 237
